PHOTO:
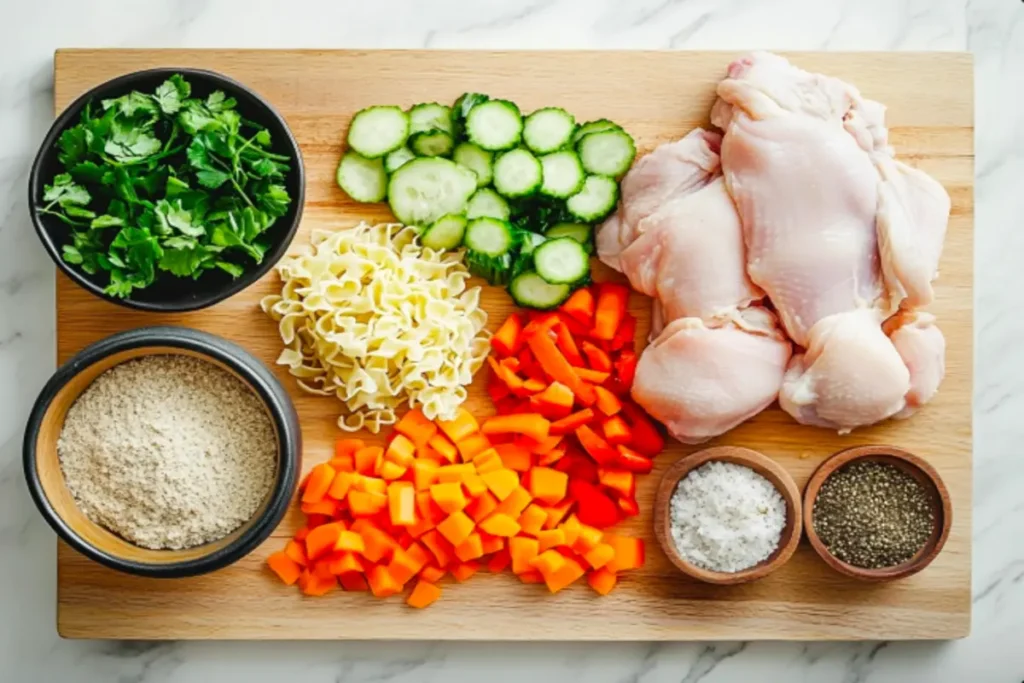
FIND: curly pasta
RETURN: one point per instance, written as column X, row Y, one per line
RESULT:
column 370, row 316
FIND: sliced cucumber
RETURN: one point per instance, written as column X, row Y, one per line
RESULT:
column 461, row 109
column 485, row 202
column 581, row 232
column 609, row 152
column 594, row 127
column 394, row 160
column 363, row 179
column 375, row 131
column 490, row 236
column 562, row 261
column 595, row 201
column 563, row 174
column 431, row 143
column 495, row 269
column 517, row 173
column 444, row 233
column 476, row 159
column 528, row 243
column 495, row 125
column 430, row 116
column 424, row 189
column 530, row 290
column 548, row 129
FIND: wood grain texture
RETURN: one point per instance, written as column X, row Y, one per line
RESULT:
column 657, row 96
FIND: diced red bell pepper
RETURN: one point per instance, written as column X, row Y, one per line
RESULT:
column 497, row 390
column 577, row 328
column 647, row 439
column 622, row 482
column 509, row 338
column 628, row 459
column 572, row 422
column 593, row 507
column 624, row 367
column 578, row 466
column 628, row 506
column 625, row 336
column 596, row 447
column 540, row 323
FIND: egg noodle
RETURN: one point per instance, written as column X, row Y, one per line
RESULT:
column 370, row 316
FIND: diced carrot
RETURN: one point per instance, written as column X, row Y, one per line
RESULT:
column 572, row 422
column 427, row 508
column 482, row 506
column 366, row 459
column 499, row 562
column 531, row 576
column 629, row 552
column 369, row 484
column 598, row 449
column 508, row 338
column 550, row 538
column 597, row 358
column 382, row 584
column 581, row 306
column 567, row 345
column 353, row 581
column 531, row 521
column 488, row 461
column 445, row 448
column 424, row 474
column 464, row 571
column 441, row 549
column 327, row 506
column 340, row 485
column 302, row 533
column 472, row 445
column 616, row 431
column 558, row 368
column 366, row 504
column 342, row 463
column 546, row 445
column 500, row 525
column 455, row 473
column 607, row 402
column 568, row 573
column 587, row 539
column 297, row 551
column 571, row 528
column 402, row 503
column 346, row 448
column 322, row 540
column 506, row 376
column 390, row 471
column 547, row 485
column 541, row 322
column 401, row 450
column 516, row 502
column 403, row 567
column 432, row 573
column 379, row 545
column 319, row 482
column 620, row 481
column 491, row 544
column 647, row 439
column 554, row 402
column 514, row 456
column 532, row 425
column 628, row 459
column 449, row 496
column 417, row 555
column 556, row 513
column 344, row 563
column 415, row 425
column 287, row 569
column 316, row 585
column 460, row 427
column 591, row 376
column 602, row 581
column 456, row 528
column 610, row 310
column 423, row 595
column 551, row 458
column 523, row 550
column 501, row 482
column 349, row 541
column 548, row 562
column 470, row 549
column 474, row 485
column 600, row 555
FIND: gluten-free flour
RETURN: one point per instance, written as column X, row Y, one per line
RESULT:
column 168, row 451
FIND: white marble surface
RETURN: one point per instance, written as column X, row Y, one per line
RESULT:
column 992, row 29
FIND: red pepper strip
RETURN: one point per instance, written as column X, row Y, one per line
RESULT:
column 541, row 323
column 509, row 338
column 628, row 506
column 647, row 440
column 626, row 334
column 594, row 508
column 570, row 423
column 505, row 374
column 607, row 402
column 611, row 309
column 567, row 344
column 596, row 447
column 578, row 466
column 581, row 306
column 597, row 359
column 628, row 459
column 575, row 327
column 497, row 390
column 625, row 367
column 558, row 368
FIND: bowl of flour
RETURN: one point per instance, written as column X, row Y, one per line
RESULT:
column 163, row 452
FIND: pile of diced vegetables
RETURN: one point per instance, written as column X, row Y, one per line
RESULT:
column 533, row 488
column 520, row 194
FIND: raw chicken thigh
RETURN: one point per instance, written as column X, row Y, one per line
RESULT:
column 923, row 349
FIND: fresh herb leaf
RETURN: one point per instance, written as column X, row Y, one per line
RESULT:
column 218, row 101
column 65, row 191
column 131, row 144
column 171, row 93
column 73, row 146
column 106, row 221
column 212, row 178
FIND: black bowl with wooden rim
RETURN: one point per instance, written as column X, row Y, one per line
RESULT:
column 56, row 503
column 759, row 463
column 916, row 467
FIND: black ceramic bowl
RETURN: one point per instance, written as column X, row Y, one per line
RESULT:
column 54, row 500
column 169, row 293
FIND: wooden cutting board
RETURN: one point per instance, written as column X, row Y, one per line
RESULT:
column 657, row 96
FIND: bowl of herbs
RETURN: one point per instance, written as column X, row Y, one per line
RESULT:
column 167, row 189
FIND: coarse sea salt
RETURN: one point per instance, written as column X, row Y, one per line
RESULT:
column 726, row 517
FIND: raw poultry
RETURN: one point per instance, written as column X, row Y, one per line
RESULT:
column 800, row 200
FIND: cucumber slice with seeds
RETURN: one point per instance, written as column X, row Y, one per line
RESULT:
column 530, row 290
column 517, row 173
column 364, row 180
column 594, row 127
column 394, row 160
column 444, row 233
column 490, row 236
column 430, row 116
column 477, row 160
column 495, row 125
column 563, row 174
column 426, row 188
column 609, row 152
column 562, row 261
column 485, row 202
column 375, row 131
column 548, row 129
column 595, row 201
column 432, row 143
column 581, row 232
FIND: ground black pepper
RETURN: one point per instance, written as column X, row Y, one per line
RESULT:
column 873, row 515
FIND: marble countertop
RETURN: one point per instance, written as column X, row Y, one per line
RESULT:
column 993, row 30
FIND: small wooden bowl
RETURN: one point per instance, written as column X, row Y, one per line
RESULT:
column 53, row 498
column 761, row 464
column 920, row 470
